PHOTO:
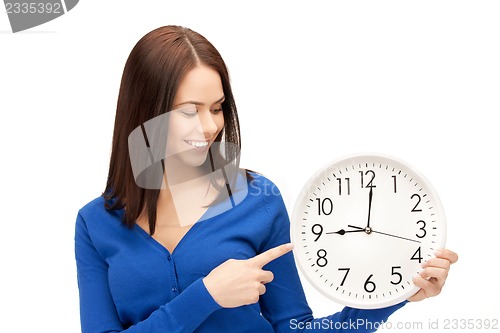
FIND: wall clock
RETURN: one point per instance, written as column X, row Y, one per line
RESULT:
column 362, row 227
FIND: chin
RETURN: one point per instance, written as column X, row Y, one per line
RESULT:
column 193, row 158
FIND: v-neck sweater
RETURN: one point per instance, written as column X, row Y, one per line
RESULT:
column 128, row 282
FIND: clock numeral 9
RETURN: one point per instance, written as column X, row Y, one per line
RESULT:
column 317, row 230
column 321, row 261
column 370, row 183
column 325, row 206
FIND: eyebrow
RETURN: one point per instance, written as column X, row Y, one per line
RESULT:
column 220, row 100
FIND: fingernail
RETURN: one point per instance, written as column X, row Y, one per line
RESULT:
column 438, row 253
column 288, row 246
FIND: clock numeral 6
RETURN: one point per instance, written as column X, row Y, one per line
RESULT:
column 370, row 285
column 325, row 206
column 321, row 261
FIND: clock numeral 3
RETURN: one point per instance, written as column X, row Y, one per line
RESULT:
column 422, row 228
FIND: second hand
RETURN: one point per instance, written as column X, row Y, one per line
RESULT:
column 383, row 233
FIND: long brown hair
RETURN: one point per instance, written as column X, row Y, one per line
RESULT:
column 151, row 77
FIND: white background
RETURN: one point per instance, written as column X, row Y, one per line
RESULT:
column 313, row 81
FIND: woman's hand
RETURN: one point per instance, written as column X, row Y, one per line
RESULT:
column 241, row 282
column 433, row 277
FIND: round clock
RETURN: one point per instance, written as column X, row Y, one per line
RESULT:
column 362, row 227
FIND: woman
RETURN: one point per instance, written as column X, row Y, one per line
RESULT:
column 182, row 240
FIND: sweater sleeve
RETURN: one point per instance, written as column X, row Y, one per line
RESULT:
column 97, row 310
column 284, row 304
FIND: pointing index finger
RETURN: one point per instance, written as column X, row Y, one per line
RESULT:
column 266, row 257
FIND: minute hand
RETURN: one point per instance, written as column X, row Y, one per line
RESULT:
column 384, row 233
column 370, row 197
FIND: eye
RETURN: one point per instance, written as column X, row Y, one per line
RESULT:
column 189, row 114
column 188, row 111
column 215, row 111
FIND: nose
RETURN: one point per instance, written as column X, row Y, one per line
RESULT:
column 208, row 123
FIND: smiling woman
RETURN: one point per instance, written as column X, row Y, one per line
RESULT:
column 170, row 68
column 198, row 123
column 182, row 239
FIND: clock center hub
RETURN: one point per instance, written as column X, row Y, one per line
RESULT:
column 368, row 230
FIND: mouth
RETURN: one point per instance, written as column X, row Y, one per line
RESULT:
column 199, row 144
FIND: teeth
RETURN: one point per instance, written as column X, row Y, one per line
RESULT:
column 198, row 144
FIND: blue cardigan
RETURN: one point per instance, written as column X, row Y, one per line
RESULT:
column 128, row 282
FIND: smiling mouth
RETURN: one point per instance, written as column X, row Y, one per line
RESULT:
column 197, row 144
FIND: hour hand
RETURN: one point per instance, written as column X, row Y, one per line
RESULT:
column 343, row 232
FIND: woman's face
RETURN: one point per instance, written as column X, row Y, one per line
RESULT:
column 196, row 117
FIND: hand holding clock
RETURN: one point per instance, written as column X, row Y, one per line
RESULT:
column 433, row 277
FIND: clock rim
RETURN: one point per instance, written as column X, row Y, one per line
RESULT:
column 362, row 305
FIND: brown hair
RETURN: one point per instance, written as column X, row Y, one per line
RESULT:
column 151, row 77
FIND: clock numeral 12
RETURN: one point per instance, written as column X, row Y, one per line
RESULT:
column 370, row 183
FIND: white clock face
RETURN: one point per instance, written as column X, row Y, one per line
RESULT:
column 363, row 226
